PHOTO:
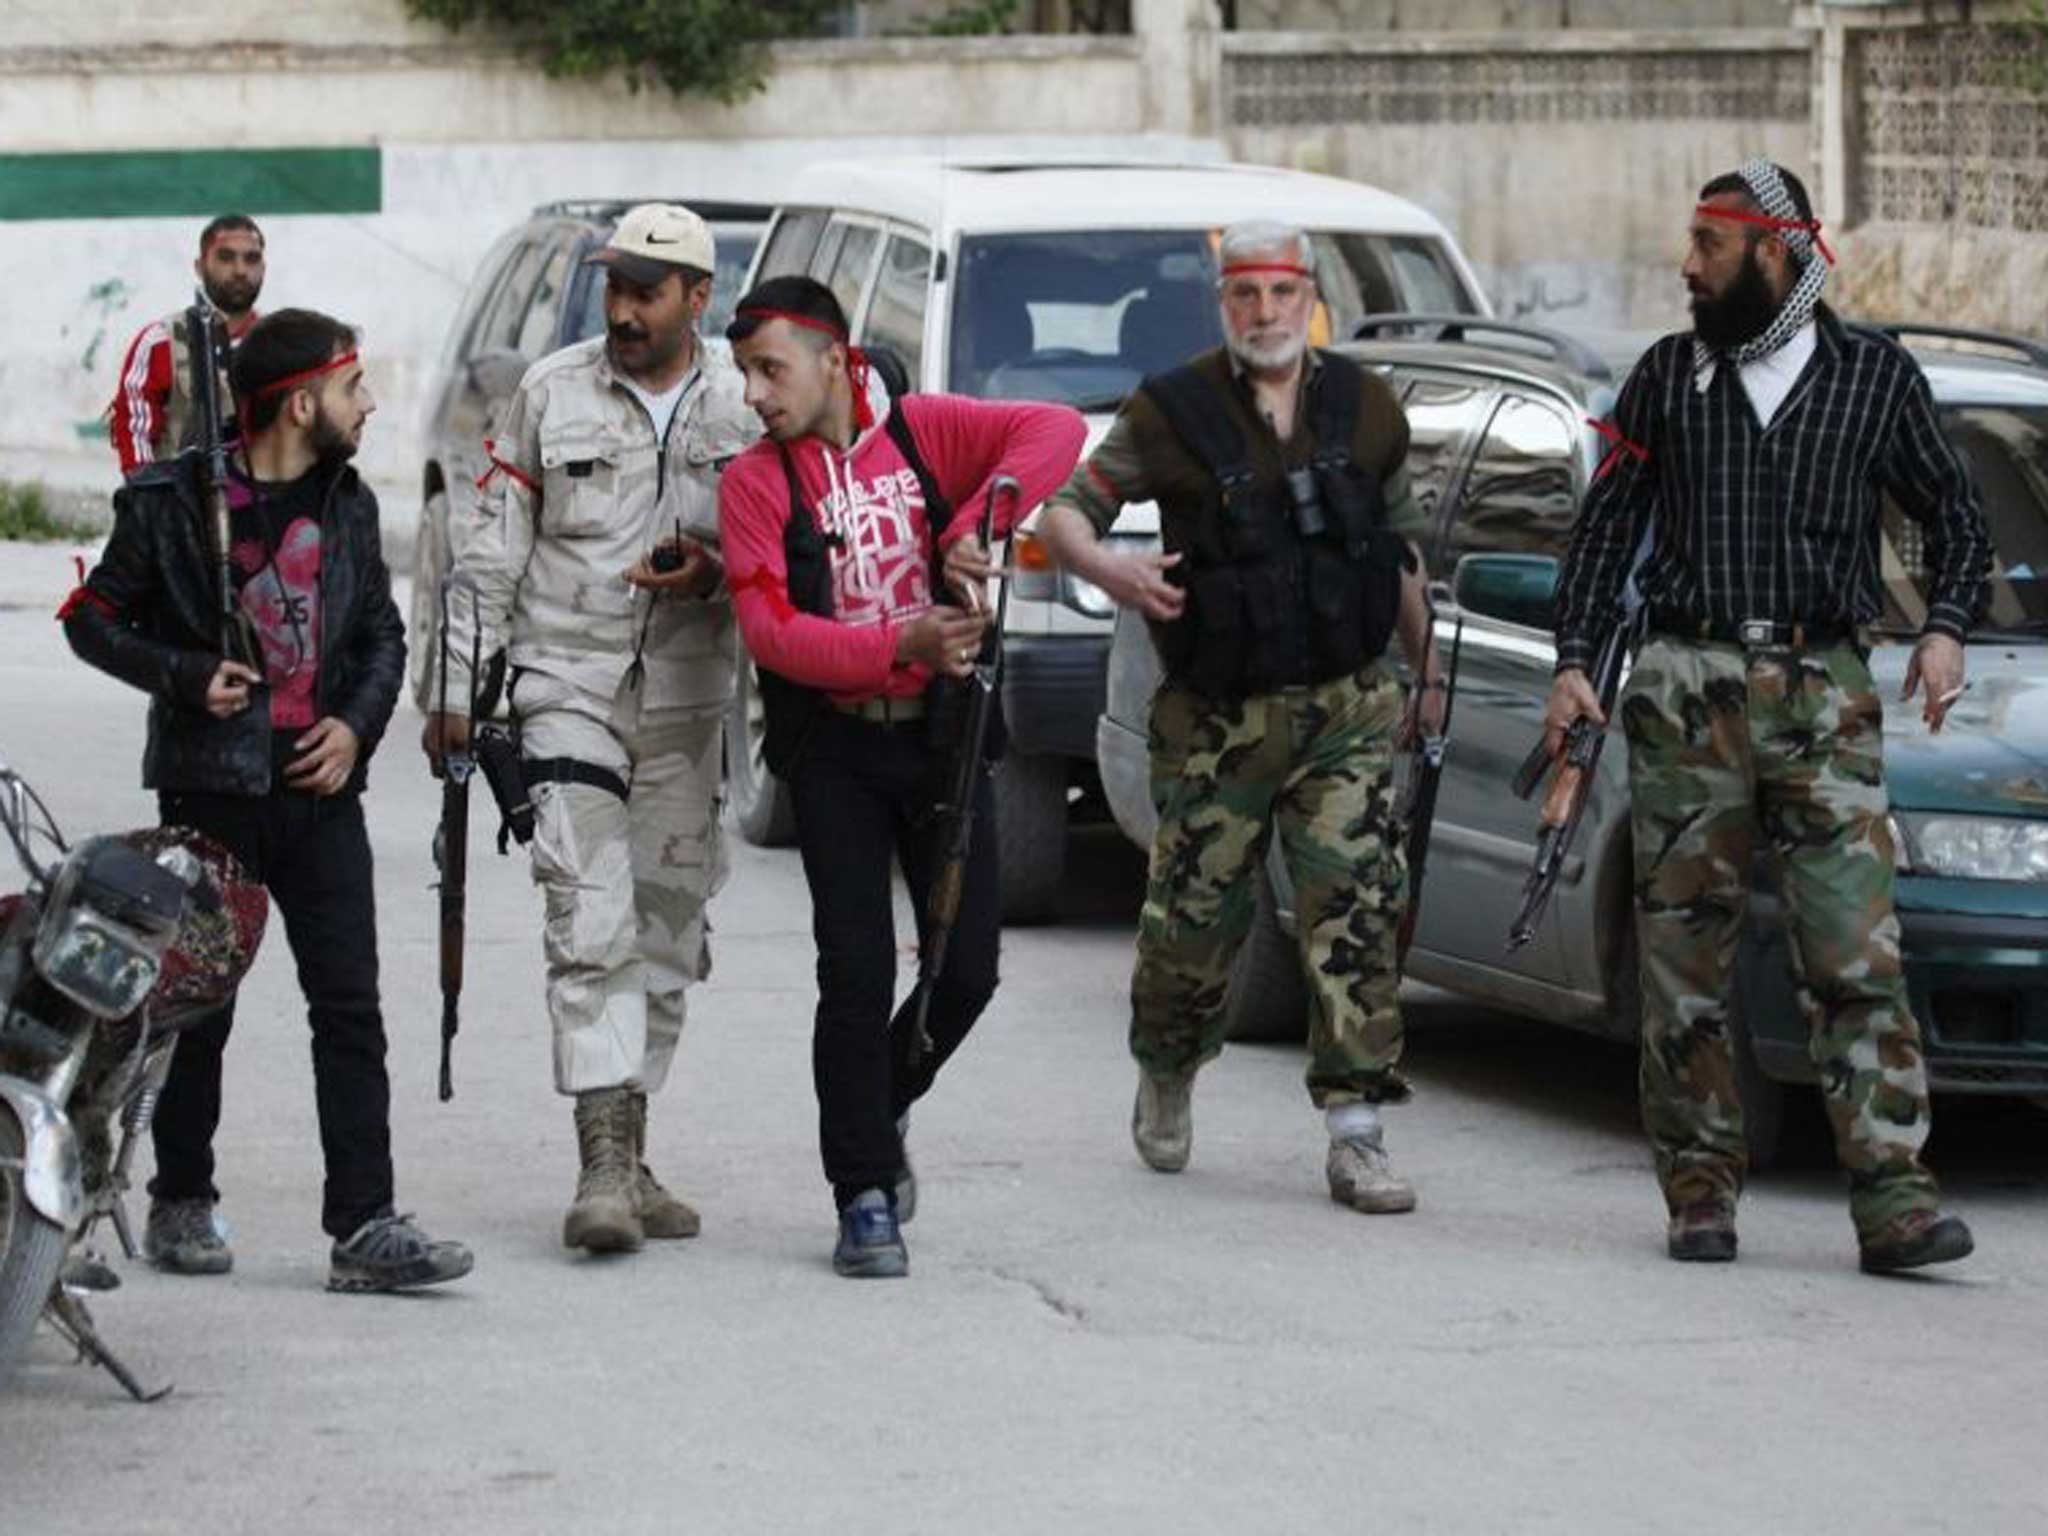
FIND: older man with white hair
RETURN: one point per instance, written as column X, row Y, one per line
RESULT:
column 1288, row 566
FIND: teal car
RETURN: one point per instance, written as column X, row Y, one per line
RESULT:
column 1501, row 454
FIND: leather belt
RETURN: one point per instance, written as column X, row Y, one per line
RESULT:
column 1754, row 634
column 883, row 710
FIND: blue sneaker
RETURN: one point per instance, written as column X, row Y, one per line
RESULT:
column 870, row 1241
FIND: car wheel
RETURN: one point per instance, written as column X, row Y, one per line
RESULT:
column 1031, row 834
column 423, row 634
column 1268, row 997
column 760, row 801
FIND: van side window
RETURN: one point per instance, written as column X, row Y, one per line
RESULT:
column 1522, row 495
column 896, row 315
column 847, row 277
column 792, row 243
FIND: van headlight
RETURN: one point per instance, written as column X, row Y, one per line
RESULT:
column 1977, row 847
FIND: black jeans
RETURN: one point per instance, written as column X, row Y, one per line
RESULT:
column 314, row 856
column 864, row 796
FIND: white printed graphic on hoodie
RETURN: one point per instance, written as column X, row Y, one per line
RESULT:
column 875, row 530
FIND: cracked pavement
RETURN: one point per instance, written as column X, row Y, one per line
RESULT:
column 1082, row 1346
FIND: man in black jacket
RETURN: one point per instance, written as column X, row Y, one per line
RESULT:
column 267, row 753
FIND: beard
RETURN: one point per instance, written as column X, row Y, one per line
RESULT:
column 236, row 296
column 332, row 444
column 1269, row 354
column 1737, row 314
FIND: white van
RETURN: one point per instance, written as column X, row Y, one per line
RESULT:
column 1071, row 283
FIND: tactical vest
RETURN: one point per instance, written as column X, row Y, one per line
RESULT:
column 790, row 708
column 1291, row 576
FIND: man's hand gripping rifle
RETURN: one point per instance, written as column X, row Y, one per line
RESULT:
column 1565, row 805
column 955, row 818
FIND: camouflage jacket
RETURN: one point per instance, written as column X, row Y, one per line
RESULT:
column 578, row 490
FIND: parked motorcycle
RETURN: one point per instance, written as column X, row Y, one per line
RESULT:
column 116, row 945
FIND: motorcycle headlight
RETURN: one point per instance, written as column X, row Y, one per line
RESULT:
column 101, row 967
column 1977, row 847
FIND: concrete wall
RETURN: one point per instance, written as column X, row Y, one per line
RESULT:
column 1364, row 16
column 1566, row 163
column 470, row 139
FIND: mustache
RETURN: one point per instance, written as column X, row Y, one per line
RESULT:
column 625, row 333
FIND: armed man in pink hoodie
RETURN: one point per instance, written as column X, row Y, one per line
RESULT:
column 841, row 530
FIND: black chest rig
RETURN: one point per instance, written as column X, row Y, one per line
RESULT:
column 1291, row 575
column 790, row 707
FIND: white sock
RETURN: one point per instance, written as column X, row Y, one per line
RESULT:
column 1348, row 1120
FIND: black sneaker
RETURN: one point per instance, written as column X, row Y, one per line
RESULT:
column 182, row 1238
column 389, row 1253
column 1915, row 1240
column 870, row 1240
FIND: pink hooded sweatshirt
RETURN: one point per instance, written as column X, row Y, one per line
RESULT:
column 867, row 504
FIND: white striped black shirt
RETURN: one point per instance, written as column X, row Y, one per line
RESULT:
column 1777, row 522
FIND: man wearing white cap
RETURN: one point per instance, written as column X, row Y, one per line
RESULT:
column 593, row 556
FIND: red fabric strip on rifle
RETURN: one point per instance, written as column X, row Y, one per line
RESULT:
column 1612, row 433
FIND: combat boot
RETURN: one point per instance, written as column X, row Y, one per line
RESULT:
column 602, row 1218
column 1361, row 1177
column 661, row 1213
column 1914, row 1240
column 1702, row 1233
column 1163, row 1120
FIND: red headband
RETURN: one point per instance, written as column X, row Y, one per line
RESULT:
column 1811, row 226
column 856, row 360
column 1290, row 267
column 293, row 380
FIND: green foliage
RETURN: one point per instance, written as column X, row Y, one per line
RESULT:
column 969, row 18
column 713, row 48
column 25, row 514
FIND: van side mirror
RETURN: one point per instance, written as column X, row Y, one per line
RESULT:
column 1521, row 589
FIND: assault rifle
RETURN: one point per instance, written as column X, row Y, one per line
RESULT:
column 491, row 748
column 205, row 343
column 1425, row 774
column 1565, row 805
column 955, row 817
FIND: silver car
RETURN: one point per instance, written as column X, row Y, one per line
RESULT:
column 1502, row 454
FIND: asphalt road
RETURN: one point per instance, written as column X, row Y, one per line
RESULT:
column 1082, row 1346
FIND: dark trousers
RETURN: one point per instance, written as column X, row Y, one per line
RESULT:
column 864, row 796
column 314, row 856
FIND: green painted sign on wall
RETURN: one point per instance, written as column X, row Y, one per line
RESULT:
column 173, row 183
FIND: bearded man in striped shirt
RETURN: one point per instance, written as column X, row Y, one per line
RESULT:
column 1742, row 507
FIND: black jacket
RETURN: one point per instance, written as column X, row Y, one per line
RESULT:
column 149, row 614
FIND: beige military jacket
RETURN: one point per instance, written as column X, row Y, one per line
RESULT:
column 578, row 490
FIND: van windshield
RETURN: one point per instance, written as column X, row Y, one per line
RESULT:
column 1080, row 317
column 2007, row 451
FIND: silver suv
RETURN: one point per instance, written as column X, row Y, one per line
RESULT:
column 1502, row 453
column 531, row 296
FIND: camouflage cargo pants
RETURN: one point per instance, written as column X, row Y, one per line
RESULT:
column 1729, row 751
column 626, row 882
column 1316, row 764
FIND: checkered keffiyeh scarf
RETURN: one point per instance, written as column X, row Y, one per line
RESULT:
column 1801, row 238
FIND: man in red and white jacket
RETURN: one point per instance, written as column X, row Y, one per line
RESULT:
column 151, row 416
column 837, row 529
